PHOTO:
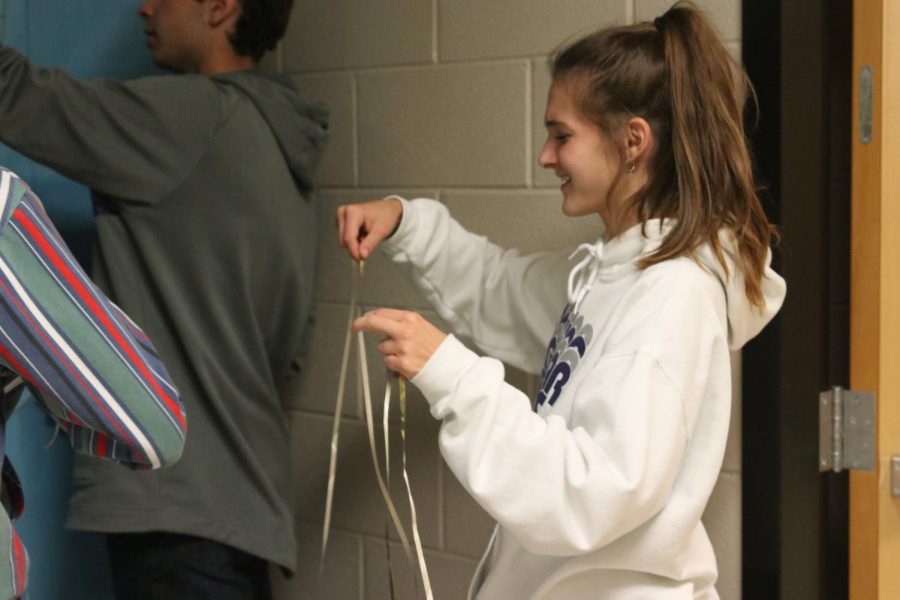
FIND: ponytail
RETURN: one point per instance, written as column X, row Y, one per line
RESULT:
column 676, row 74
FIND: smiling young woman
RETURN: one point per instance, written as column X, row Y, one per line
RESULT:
column 598, row 485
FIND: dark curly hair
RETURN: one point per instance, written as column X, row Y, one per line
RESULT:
column 261, row 25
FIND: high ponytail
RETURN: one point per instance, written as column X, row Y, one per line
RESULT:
column 676, row 74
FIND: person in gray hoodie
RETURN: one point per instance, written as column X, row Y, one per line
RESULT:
column 206, row 236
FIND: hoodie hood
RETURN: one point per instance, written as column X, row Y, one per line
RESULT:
column 608, row 260
column 299, row 126
column 744, row 319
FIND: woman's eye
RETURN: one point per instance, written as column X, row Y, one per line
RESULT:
column 561, row 137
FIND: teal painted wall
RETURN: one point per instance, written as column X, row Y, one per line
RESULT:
column 89, row 38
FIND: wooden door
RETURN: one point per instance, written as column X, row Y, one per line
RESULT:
column 875, row 293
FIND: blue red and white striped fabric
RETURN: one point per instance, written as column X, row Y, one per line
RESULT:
column 92, row 368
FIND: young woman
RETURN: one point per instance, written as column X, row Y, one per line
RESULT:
column 598, row 488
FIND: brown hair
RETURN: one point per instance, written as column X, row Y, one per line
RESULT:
column 676, row 74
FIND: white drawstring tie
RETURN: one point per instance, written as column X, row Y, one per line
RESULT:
column 581, row 282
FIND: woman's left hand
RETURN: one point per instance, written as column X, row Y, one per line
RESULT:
column 409, row 341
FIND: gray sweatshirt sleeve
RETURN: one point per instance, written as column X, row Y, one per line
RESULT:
column 133, row 141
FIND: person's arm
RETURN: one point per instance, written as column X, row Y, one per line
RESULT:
column 134, row 140
column 508, row 303
column 568, row 487
column 93, row 369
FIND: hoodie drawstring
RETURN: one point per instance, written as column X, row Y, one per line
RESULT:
column 581, row 282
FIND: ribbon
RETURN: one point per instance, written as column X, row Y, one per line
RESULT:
column 367, row 404
column 385, row 493
column 423, row 569
column 336, row 425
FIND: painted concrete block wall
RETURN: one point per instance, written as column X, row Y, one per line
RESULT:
column 444, row 99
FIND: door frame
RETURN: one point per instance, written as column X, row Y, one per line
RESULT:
column 794, row 519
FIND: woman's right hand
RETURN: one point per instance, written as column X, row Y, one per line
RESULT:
column 361, row 227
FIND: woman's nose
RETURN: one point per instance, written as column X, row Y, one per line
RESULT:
column 547, row 157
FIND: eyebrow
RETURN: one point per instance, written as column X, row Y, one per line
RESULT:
column 553, row 123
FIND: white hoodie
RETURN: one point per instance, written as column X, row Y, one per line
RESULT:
column 599, row 490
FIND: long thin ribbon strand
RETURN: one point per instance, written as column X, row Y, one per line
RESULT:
column 385, row 413
column 338, row 409
column 385, row 421
column 423, row 569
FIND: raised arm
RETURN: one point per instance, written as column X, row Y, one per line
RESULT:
column 94, row 370
column 507, row 302
column 132, row 140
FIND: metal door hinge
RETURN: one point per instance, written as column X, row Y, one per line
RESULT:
column 846, row 430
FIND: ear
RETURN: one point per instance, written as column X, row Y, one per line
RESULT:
column 638, row 139
column 221, row 12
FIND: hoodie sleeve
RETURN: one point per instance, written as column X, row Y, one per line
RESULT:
column 566, row 486
column 132, row 140
column 506, row 302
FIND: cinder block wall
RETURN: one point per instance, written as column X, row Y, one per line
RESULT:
column 445, row 99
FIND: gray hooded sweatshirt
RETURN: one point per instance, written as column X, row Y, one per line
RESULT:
column 206, row 237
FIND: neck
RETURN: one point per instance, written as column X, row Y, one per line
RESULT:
column 620, row 214
column 617, row 224
column 224, row 62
